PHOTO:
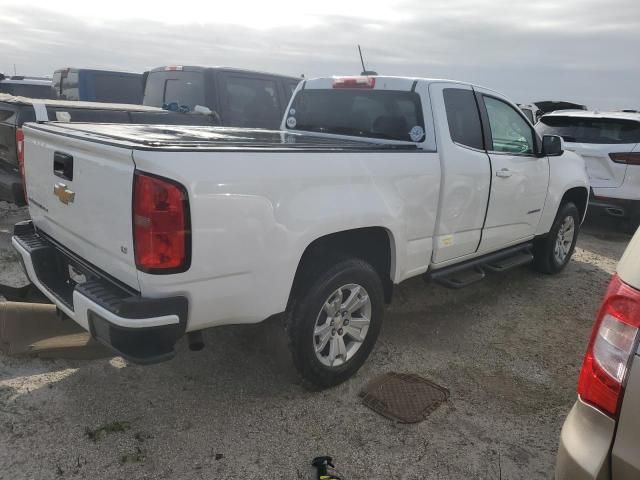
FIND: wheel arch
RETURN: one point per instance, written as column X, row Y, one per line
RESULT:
column 580, row 198
column 374, row 245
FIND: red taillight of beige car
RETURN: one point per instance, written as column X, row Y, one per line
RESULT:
column 161, row 225
column 612, row 345
column 20, row 157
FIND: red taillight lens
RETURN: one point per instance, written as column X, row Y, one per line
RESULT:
column 354, row 82
column 161, row 225
column 626, row 158
column 611, row 347
column 20, row 157
column 173, row 68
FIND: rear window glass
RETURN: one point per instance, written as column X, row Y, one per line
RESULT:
column 175, row 90
column 385, row 114
column 590, row 130
column 26, row 90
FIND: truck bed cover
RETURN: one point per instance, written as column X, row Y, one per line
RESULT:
column 199, row 138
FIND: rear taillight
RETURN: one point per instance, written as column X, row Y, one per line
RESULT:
column 20, row 157
column 354, row 82
column 173, row 68
column 161, row 225
column 612, row 345
column 630, row 158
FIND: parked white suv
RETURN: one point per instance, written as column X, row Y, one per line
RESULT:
column 610, row 145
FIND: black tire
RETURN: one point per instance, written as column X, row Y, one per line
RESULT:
column 543, row 251
column 316, row 286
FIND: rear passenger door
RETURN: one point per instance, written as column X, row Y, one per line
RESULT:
column 519, row 177
column 465, row 169
column 249, row 101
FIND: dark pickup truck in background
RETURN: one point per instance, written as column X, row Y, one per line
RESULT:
column 236, row 98
column 15, row 111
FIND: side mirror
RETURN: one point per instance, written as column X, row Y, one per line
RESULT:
column 552, row 145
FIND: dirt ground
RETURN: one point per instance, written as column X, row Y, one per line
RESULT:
column 509, row 350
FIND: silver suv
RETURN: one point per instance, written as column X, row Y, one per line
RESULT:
column 600, row 438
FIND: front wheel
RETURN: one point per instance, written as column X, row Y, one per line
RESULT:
column 334, row 320
column 553, row 252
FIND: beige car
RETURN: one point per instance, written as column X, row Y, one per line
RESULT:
column 600, row 438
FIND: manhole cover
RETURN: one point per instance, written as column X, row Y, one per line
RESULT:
column 404, row 397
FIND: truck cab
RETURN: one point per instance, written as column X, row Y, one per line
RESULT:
column 235, row 97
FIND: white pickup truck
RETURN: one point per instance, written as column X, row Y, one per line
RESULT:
column 144, row 233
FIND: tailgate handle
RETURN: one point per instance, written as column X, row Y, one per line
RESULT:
column 63, row 165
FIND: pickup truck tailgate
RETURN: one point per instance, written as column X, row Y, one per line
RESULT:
column 80, row 195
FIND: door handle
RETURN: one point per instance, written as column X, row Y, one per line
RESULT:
column 504, row 173
column 63, row 165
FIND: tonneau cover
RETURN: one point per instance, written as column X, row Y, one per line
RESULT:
column 187, row 137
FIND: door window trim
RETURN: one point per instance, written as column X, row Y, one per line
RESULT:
column 486, row 127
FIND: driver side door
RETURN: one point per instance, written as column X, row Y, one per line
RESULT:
column 519, row 177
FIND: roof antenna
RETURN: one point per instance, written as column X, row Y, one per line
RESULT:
column 364, row 70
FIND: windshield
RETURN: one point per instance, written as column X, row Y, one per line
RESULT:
column 590, row 130
column 387, row 114
column 175, row 90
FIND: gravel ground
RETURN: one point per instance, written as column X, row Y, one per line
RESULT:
column 509, row 350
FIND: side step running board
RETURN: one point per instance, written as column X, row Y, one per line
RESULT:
column 472, row 271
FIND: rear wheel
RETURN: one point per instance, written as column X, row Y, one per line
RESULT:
column 553, row 252
column 334, row 320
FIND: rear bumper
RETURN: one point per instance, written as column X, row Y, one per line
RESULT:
column 585, row 444
column 11, row 187
column 614, row 207
column 142, row 330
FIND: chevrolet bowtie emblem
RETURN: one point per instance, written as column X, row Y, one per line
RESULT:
column 65, row 195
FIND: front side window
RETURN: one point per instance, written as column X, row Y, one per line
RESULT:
column 385, row 114
column 463, row 117
column 510, row 133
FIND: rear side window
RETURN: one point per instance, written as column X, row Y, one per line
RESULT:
column 463, row 117
column 385, row 114
column 249, row 102
column 590, row 130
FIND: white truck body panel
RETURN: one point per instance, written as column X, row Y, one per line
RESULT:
column 252, row 220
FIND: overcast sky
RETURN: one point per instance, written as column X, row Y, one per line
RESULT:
column 586, row 51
